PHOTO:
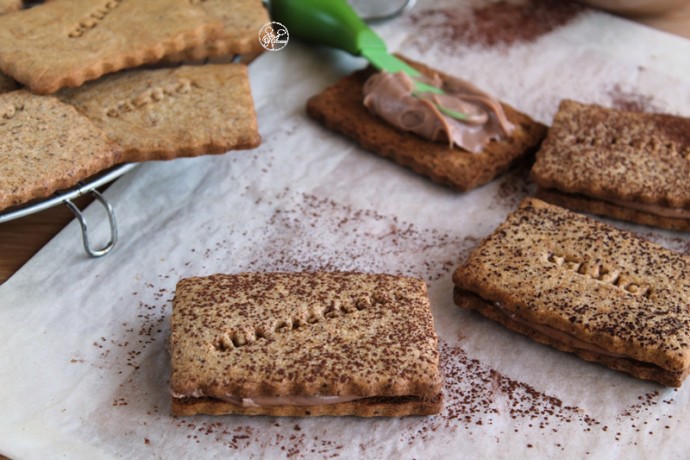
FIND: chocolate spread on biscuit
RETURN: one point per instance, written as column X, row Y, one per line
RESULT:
column 392, row 96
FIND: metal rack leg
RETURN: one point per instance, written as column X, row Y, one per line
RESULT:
column 84, row 226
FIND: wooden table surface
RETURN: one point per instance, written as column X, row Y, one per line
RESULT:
column 22, row 238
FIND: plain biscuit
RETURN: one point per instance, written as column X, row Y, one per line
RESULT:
column 63, row 43
column 45, row 146
column 169, row 113
column 242, row 21
column 8, row 6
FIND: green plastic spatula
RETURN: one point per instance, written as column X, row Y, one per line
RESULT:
column 334, row 23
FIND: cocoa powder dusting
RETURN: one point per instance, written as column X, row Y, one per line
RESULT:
column 497, row 24
column 426, row 253
column 514, row 187
column 477, row 397
column 632, row 101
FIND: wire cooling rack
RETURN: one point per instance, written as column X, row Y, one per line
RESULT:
column 65, row 197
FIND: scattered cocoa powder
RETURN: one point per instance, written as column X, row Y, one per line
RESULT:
column 497, row 24
column 426, row 253
column 632, row 101
column 514, row 187
column 477, row 397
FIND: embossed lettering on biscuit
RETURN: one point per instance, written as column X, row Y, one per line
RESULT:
column 93, row 19
column 179, row 87
column 599, row 272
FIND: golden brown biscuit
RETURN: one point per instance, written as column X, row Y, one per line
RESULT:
column 63, row 43
column 242, row 20
column 584, row 287
column 46, row 145
column 8, row 6
column 304, row 344
column 169, row 113
column 626, row 165
column 340, row 108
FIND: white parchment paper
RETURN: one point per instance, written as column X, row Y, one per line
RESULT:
column 84, row 365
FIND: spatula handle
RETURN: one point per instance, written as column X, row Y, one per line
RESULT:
column 328, row 22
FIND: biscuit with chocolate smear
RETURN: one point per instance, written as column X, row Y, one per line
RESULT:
column 631, row 166
column 340, row 108
column 168, row 113
column 584, row 287
column 304, row 344
column 64, row 43
column 242, row 21
column 45, row 146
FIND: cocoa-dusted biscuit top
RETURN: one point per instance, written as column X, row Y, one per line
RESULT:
column 63, row 43
column 304, row 344
column 46, row 145
column 341, row 108
column 172, row 112
column 639, row 162
column 585, row 287
column 615, row 154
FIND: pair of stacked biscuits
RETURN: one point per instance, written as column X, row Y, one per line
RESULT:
column 364, row 344
column 69, row 108
column 584, row 286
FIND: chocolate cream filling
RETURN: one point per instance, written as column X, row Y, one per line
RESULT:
column 300, row 401
column 655, row 209
column 645, row 370
column 558, row 335
column 667, row 377
column 392, row 96
column 661, row 211
column 264, row 401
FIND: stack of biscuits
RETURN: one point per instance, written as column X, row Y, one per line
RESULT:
column 88, row 84
column 304, row 344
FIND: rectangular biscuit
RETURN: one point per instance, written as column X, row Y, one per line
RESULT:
column 8, row 6
column 45, row 146
column 304, row 344
column 626, row 165
column 340, row 107
column 242, row 21
column 168, row 113
column 63, row 43
column 584, row 287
